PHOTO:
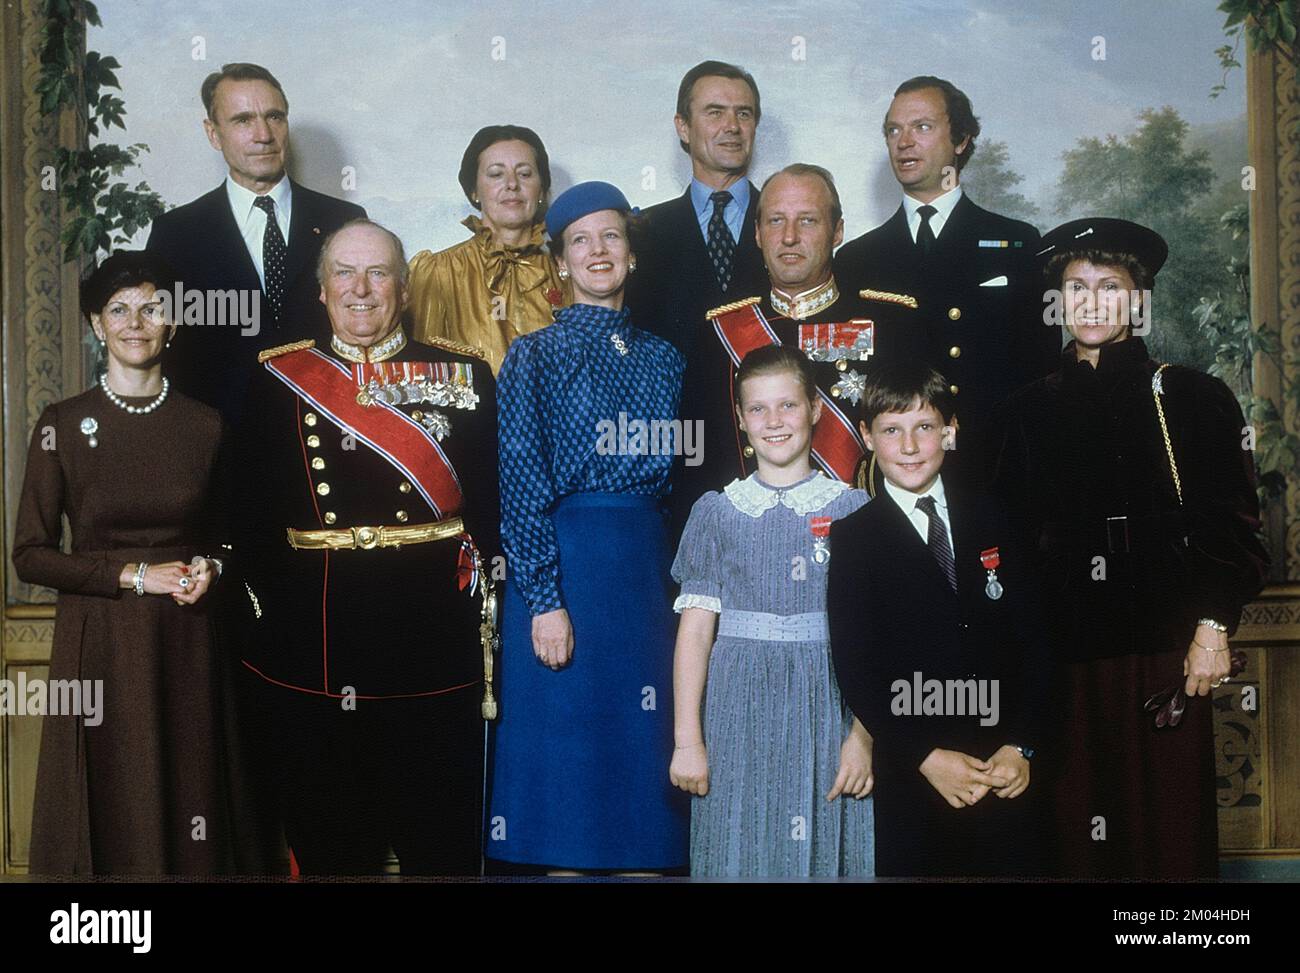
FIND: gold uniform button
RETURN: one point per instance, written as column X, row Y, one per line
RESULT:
column 835, row 392
column 402, row 516
column 404, row 487
column 309, row 419
column 323, row 489
column 954, row 352
column 417, row 415
column 954, row 313
column 842, row 364
column 953, row 389
column 331, row 516
column 313, row 441
column 317, row 463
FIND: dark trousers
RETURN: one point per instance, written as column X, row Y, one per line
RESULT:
column 399, row 773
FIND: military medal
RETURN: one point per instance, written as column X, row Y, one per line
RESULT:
column 991, row 559
column 851, row 386
column 821, row 529
column 845, row 341
column 411, row 383
column 438, row 425
column 89, row 426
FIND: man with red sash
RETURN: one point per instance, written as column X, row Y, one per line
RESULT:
column 370, row 522
column 799, row 224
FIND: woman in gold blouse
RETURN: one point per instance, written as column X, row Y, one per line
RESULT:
column 501, row 282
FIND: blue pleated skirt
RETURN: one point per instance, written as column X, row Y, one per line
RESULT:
column 579, row 775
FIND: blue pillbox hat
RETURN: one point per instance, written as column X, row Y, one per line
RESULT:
column 582, row 200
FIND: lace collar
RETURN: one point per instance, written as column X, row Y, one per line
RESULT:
column 379, row 351
column 807, row 303
column 753, row 497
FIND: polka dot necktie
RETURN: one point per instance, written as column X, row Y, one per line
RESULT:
column 925, row 234
column 938, row 541
column 274, row 252
column 721, row 247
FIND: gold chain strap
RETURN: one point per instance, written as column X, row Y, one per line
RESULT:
column 1157, row 390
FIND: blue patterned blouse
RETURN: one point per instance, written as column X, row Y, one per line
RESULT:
column 571, row 401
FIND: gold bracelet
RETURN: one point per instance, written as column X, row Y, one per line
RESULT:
column 1207, row 648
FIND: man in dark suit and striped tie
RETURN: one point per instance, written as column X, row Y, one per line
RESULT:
column 249, row 244
column 939, row 649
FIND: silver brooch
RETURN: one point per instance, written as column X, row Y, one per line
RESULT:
column 619, row 345
column 89, row 427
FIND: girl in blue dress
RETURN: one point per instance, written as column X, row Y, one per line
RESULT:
column 779, row 767
column 587, row 408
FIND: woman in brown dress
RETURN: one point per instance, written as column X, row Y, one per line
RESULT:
column 138, row 787
column 1132, row 482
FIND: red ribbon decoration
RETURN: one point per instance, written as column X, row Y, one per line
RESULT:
column 330, row 389
column 990, row 559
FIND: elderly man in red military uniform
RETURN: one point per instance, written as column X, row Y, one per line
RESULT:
column 370, row 509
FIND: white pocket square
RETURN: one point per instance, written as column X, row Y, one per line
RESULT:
column 995, row 282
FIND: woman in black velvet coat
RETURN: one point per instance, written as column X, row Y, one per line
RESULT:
column 1147, row 552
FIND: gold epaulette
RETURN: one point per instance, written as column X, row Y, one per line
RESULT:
column 450, row 344
column 907, row 300
column 733, row 306
column 270, row 353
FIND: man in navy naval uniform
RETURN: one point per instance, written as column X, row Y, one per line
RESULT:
column 258, row 234
column 369, row 521
column 972, row 272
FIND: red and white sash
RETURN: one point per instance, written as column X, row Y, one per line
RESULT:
column 330, row 388
column 836, row 445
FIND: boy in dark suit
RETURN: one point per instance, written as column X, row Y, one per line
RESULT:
column 938, row 647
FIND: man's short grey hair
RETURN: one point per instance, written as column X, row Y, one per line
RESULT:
column 402, row 271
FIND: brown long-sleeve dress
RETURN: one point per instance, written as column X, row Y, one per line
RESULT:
column 146, row 790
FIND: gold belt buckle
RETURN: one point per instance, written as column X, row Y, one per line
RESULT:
column 366, row 538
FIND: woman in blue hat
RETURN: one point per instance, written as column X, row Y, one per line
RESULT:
column 588, row 431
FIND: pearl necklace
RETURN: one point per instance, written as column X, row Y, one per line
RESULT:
column 135, row 410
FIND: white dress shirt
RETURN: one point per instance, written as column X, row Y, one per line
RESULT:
column 906, row 501
column 943, row 204
column 252, row 221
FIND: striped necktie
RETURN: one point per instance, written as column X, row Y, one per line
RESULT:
column 938, row 541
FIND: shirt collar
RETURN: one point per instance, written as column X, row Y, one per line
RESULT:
column 700, row 194
column 807, row 303
column 906, row 499
column 944, row 204
column 241, row 199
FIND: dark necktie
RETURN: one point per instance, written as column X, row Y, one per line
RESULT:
column 938, row 541
column 721, row 247
column 924, row 234
column 274, row 253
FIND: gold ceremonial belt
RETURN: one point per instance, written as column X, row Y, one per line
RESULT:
column 350, row 538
